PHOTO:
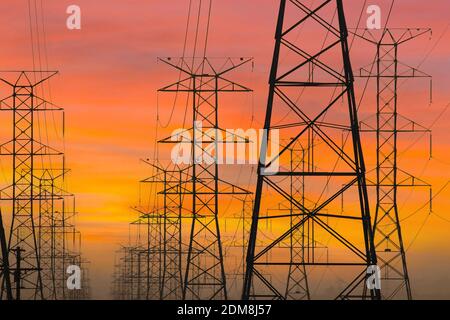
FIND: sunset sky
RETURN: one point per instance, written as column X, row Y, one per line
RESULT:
column 107, row 83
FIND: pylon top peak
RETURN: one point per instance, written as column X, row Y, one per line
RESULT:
column 26, row 78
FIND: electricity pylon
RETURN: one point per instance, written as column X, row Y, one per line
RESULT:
column 150, row 267
column 297, row 287
column 24, row 148
column 146, row 258
column 138, row 271
column 239, row 241
column 53, row 230
column 132, row 276
column 387, row 232
column 307, row 85
column 46, row 235
column 203, row 80
column 38, row 249
column 172, row 180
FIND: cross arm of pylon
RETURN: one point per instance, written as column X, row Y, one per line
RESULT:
column 406, row 72
column 182, row 67
column 389, row 36
column 404, row 125
column 230, row 64
column 30, row 78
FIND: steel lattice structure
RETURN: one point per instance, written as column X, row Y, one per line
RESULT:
column 148, row 258
column 390, row 178
column 138, row 273
column 151, row 267
column 239, row 240
column 204, row 80
column 173, row 182
column 46, row 236
column 24, row 148
column 311, row 88
column 130, row 278
column 39, row 248
column 297, row 287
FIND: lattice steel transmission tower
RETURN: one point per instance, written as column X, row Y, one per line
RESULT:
column 24, row 192
column 238, row 242
column 203, row 80
column 147, row 258
column 173, row 181
column 311, row 88
column 138, row 273
column 42, row 233
column 297, row 287
column 119, row 286
column 131, row 276
column 150, row 267
column 46, row 234
column 390, row 178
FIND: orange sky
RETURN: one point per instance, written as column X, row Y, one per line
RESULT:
column 108, row 81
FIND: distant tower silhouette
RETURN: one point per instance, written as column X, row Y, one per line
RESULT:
column 388, row 237
column 205, row 80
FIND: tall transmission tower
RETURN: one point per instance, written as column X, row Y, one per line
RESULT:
column 119, row 287
column 46, row 234
column 42, row 228
column 59, row 242
column 390, row 178
column 173, row 181
column 311, row 88
column 238, row 242
column 297, row 287
column 138, row 273
column 204, row 80
column 24, row 193
column 150, row 267
column 131, row 278
column 147, row 259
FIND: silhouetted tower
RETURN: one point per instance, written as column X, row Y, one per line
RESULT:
column 42, row 220
column 311, row 88
column 146, row 258
column 239, row 242
column 46, row 235
column 132, row 276
column 24, row 191
column 171, row 181
column 388, row 237
column 204, row 80
column 67, row 245
column 56, row 233
column 297, row 284
column 122, row 283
